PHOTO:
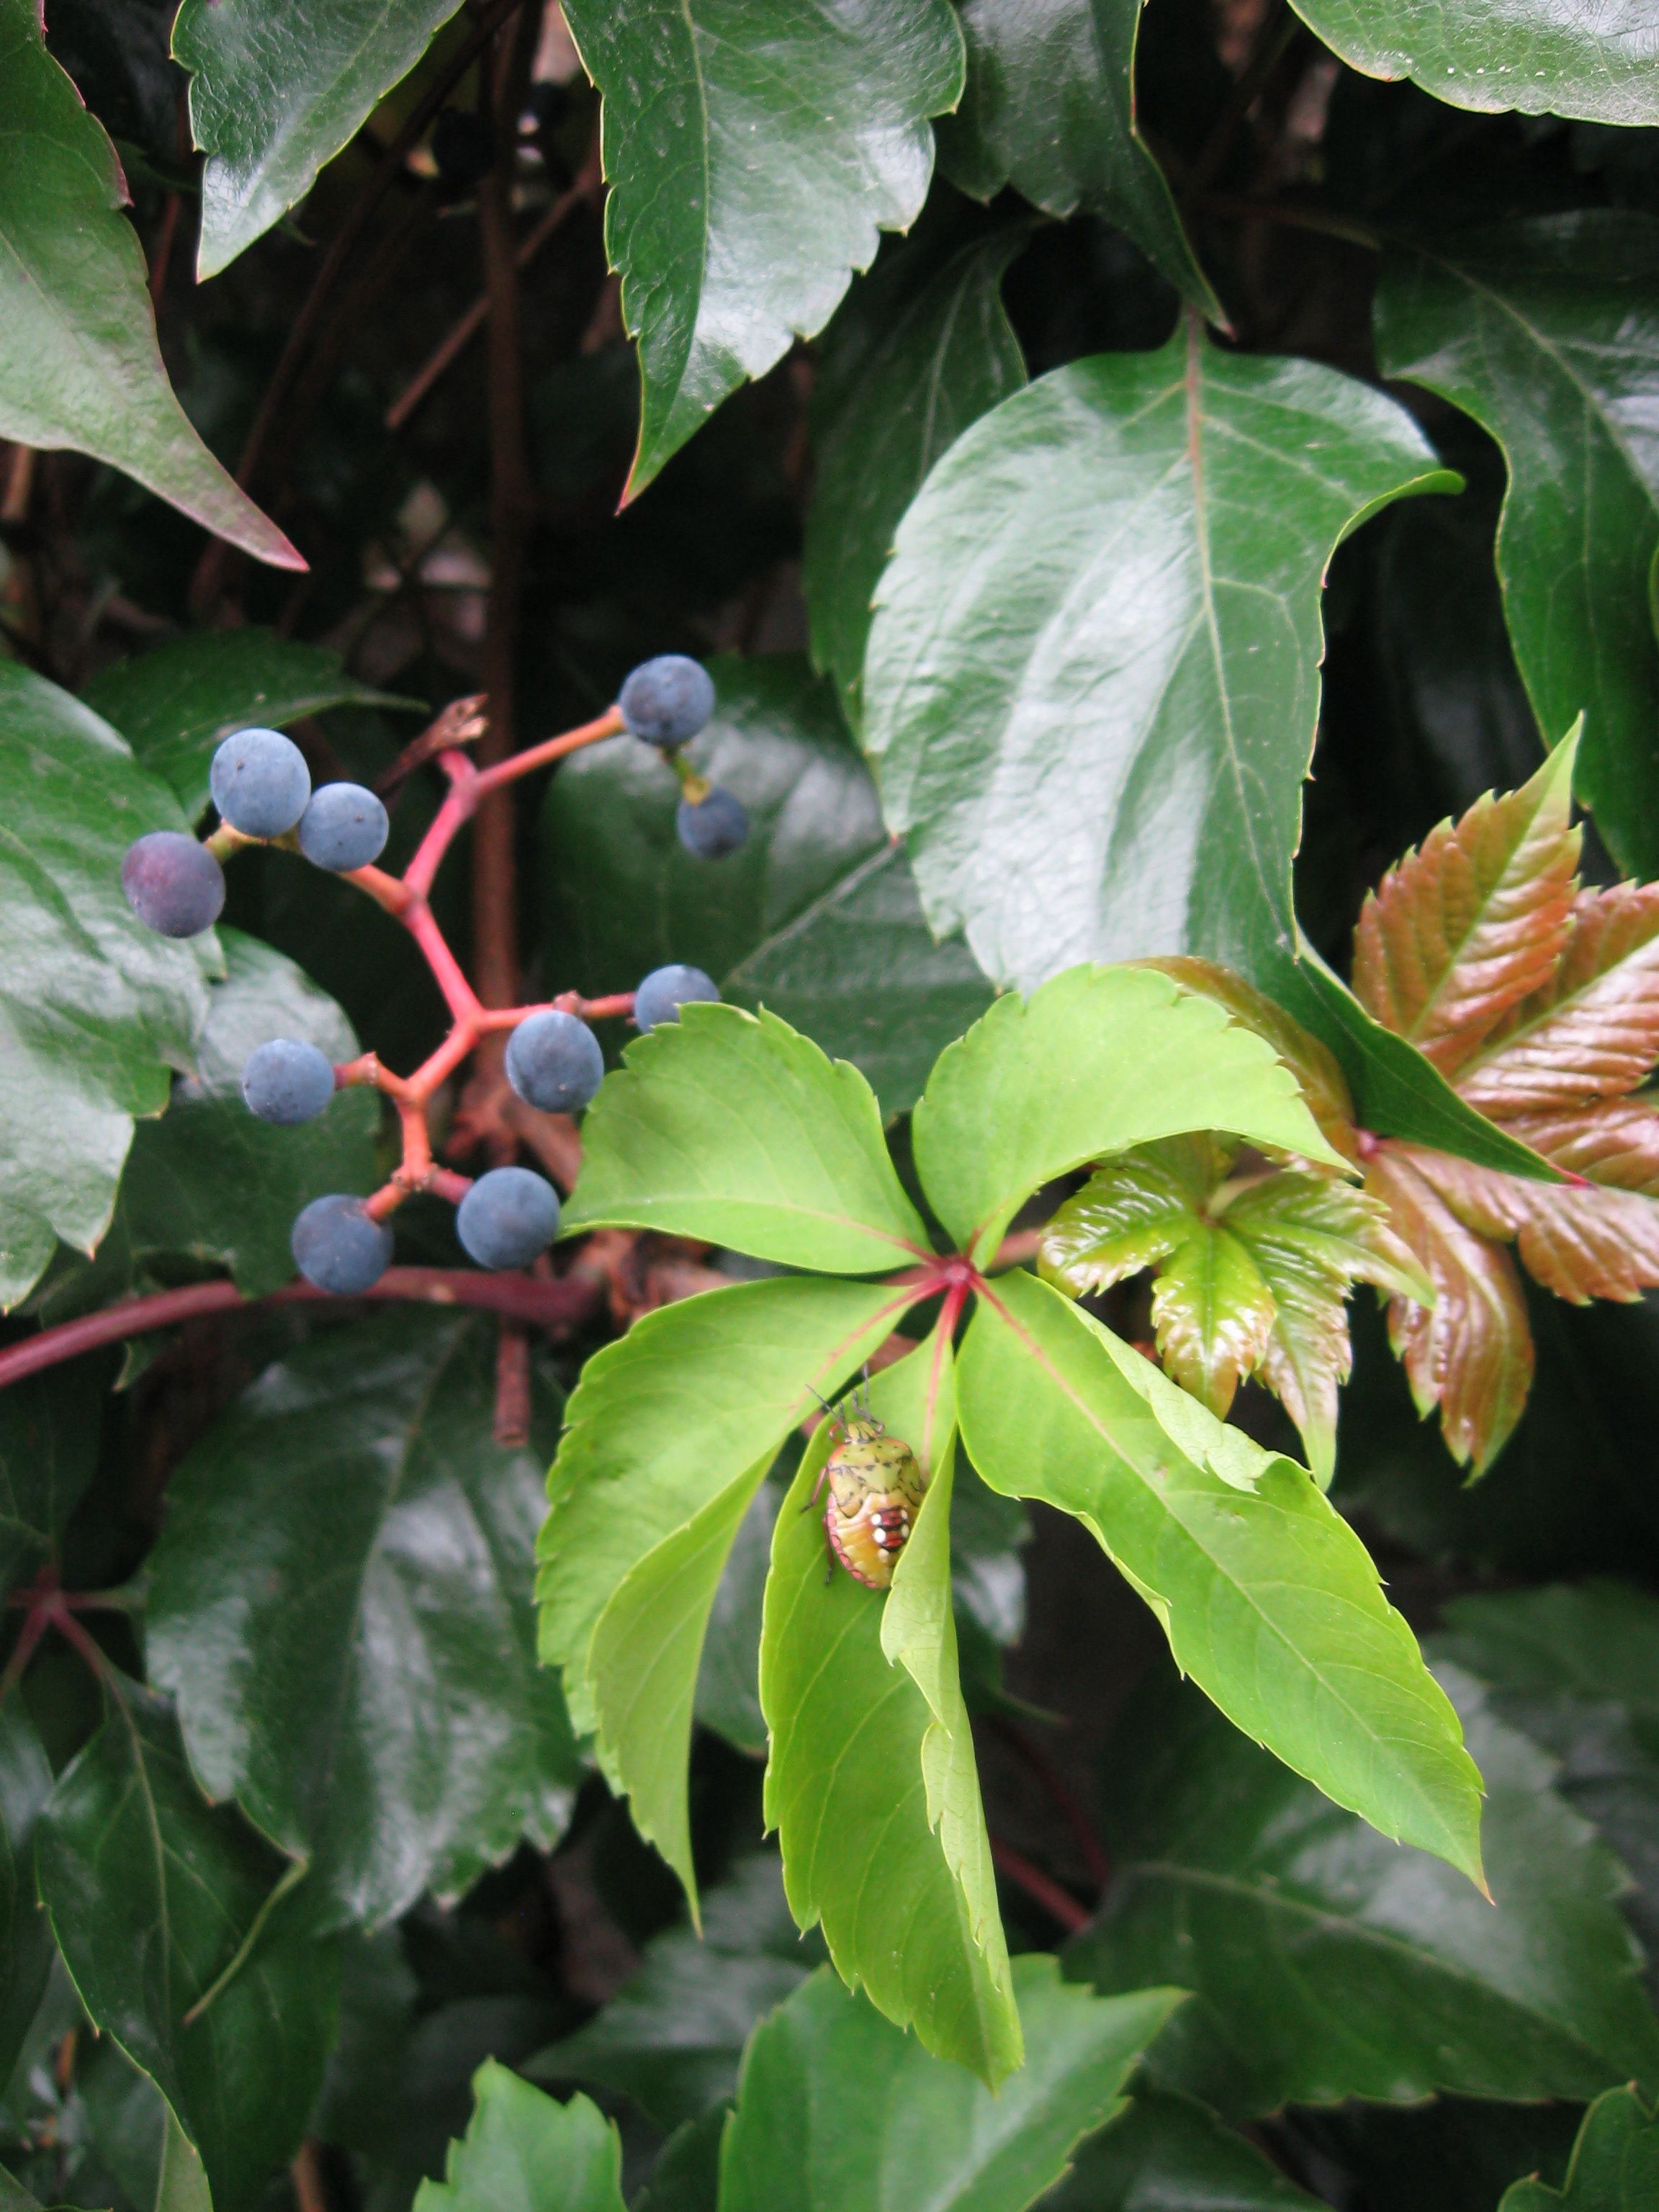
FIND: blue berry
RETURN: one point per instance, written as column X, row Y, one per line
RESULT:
column 714, row 827
column 343, row 827
column 665, row 990
column 287, row 1082
column 554, row 1061
column 173, row 883
column 507, row 1217
column 260, row 782
column 338, row 1246
column 667, row 699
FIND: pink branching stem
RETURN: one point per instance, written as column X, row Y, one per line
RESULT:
column 1041, row 1888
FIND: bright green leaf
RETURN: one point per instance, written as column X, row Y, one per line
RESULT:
column 1212, row 1313
column 524, row 2152
column 1267, row 1597
column 671, row 1416
column 1096, row 1061
column 174, row 703
column 95, row 1008
column 753, row 157
column 914, row 355
column 727, row 1696
column 816, row 917
column 1330, row 1964
column 731, row 1127
column 1541, row 56
column 340, row 1602
column 188, row 1945
column 49, row 1427
column 274, row 93
column 1547, row 332
column 1130, row 1214
column 26, row 1946
column 836, row 2109
column 863, row 1747
column 81, row 368
column 671, row 2037
column 1170, row 2154
column 1050, row 108
column 1615, row 2163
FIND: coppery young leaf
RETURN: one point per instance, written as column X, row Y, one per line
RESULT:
column 1130, row 1213
column 1581, row 1242
column 1611, row 1141
column 1474, row 921
column 1313, row 1064
column 1212, row 1313
column 1471, row 1353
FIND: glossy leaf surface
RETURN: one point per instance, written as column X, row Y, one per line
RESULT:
column 81, row 365
column 926, row 2133
column 1170, row 2154
column 1615, row 2163
column 862, row 1741
column 156, row 1897
column 95, row 1008
column 1267, row 1597
column 753, row 159
column 274, row 96
column 1096, row 1061
column 340, row 1602
column 1050, row 109
column 26, row 1944
column 1330, row 1965
column 1545, row 332
column 909, row 362
column 50, row 1426
column 526, row 2152
column 732, row 1128
column 174, row 703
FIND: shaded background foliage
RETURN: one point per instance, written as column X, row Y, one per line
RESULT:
column 476, row 1893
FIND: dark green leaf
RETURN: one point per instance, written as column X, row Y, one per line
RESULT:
column 1170, row 2153
column 872, row 1770
column 275, row 94
column 1267, row 1597
column 340, row 1601
column 82, row 367
column 752, row 160
column 188, row 1945
column 1615, row 2163
column 50, row 1426
column 672, row 2037
column 26, row 1946
column 687, row 2173
column 906, row 366
column 732, row 1128
column 93, row 1007
column 1547, row 332
column 727, row 1696
column 524, row 2152
column 1331, row 1965
column 816, row 917
column 1096, row 1060
column 838, row 2109
column 1050, row 108
column 174, row 703
column 1541, row 56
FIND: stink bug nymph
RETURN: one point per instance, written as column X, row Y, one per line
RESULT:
column 875, row 1492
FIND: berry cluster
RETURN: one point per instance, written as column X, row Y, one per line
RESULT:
column 262, row 790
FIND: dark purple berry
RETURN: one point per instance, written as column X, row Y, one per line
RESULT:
column 712, row 826
column 665, row 990
column 287, row 1082
column 173, row 883
column 508, row 1218
column 339, row 1248
column 345, row 827
column 554, row 1061
column 259, row 783
column 667, row 699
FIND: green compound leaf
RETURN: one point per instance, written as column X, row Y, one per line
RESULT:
column 25, row 1945
column 1267, row 1597
column 669, row 1417
column 1539, row 56
column 871, row 1756
column 671, row 2038
column 1615, row 2163
column 95, row 1008
column 1050, row 108
column 81, row 368
column 276, row 92
column 1547, row 333
column 1170, row 2153
column 754, row 155
column 731, row 1127
column 1330, row 1965
column 910, row 361
column 189, row 1945
column 838, row 2109
column 50, row 1428
column 340, row 1602
column 174, row 703
column 816, row 917
column 526, row 2152
column 1096, row 1060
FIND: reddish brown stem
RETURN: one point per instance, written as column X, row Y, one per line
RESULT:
column 1042, row 1889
